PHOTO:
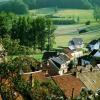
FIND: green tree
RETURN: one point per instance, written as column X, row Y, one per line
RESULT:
column 96, row 13
column 14, row 6
column 11, row 46
column 50, row 28
column 5, row 23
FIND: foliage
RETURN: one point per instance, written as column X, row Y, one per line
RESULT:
column 47, row 90
column 33, row 32
column 26, row 64
column 12, row 47
column 63, row 21
column 97, row 13
column 14, row 6
column 5, row 23
column 60, row 3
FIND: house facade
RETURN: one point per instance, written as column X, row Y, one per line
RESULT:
column 58, row 65
column 73, row 53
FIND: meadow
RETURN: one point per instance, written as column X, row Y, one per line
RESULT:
column 77, row 14
column 64, row 39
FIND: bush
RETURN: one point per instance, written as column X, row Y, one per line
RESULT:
column 63, row 21
column 12, row 47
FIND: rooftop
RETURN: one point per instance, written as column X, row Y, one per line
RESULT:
column 91, row 79
column 68, row 83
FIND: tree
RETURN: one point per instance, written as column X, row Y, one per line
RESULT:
column 5, row 23
column 11, row 82
column 50, row 34
column 14, row 6
column 96, row 13
column 47, row 90
column 33, row 32
column 26, row 64
column 11, row 46
column 7, row 72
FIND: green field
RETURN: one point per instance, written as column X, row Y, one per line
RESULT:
column 84, row 15
column 64, row 39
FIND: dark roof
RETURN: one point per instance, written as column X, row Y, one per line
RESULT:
column 67, row 83
column 58, row 61
column 64, row 57
column 48, row 55
column 93, row 42
column 93, row 52
column 76, row 41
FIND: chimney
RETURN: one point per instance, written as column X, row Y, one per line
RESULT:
column 76, row 73
column 46, row 73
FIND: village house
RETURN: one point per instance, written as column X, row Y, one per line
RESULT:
column 72, row 54
column 59, row 65
column 76, row 43
column 94, row 45
column 85, row 60
column 93, row 57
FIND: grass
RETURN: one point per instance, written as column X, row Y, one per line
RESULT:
column 64, row 39
column 83, row 15
column 37, row 56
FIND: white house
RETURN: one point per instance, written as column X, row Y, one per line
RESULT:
column 77, row 54
column 76, row 43
column 73, row 53
column 94, row 45
column 59, row 64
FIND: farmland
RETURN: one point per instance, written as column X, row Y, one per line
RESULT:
column 64, row 33
column 83, row 15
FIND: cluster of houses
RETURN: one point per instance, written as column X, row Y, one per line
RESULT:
column 72, row 69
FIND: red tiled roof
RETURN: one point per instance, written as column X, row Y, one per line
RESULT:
column 67, row 83
column 68, row 51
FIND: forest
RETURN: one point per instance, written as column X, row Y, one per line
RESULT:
column 25, row 5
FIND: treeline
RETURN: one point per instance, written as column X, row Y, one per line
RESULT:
column 95, row 2
column 22, row 6
column 77, row 4
column 14, row 6
column 36, row 33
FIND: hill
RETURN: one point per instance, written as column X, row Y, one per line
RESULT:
column 76, row 4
